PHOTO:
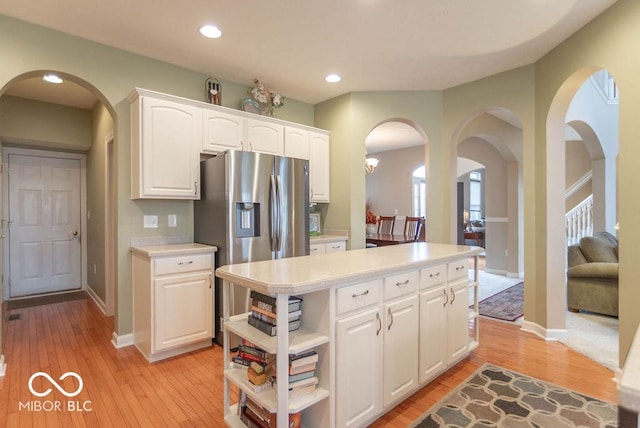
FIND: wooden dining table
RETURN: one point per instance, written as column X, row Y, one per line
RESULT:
column 381, row 239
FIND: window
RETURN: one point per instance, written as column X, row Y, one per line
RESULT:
column 419, row 193
column 475, row 195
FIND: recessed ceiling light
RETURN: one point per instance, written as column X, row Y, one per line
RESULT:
column 332, row 78
column 210, row 31
column 52, row 78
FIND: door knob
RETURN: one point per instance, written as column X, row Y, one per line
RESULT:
column 75, row 233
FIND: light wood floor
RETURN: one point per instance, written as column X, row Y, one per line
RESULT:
column 124, row 390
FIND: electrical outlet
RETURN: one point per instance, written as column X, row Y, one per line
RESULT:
column 94, row 269
column 172, row 220
column 506, row 253
column 150, row 222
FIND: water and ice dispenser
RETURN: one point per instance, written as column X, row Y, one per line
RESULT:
column 247, row 219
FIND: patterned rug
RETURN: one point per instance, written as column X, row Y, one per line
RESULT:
column 507, row 305
column 496, row 397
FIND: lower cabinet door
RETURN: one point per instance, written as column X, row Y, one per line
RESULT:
column 400, row 356
column 183, row 306
column 358, row 368
column 458, row 321
column 433, row 333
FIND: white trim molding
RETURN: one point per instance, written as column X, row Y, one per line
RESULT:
column 551, row 335
column 3, row 366
column 578, row 184
column 122, row 340
column 97, row 300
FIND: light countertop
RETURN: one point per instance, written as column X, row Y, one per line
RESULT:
column 172, row 249
column 330, row 235
column 304, row 274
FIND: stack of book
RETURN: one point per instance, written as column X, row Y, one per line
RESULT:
column 264, row 310
column 255, row 416
column 259, row 363
column 302, row 373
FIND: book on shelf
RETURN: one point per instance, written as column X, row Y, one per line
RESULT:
column 270, row 317
column 253, row 414
column 304, row 382
column 237, row 359
column 252, row 357
column 260, row 353
column 258, row 378
column 302, row 358
column 301, row 376
column 302, row 368
column 270, row 329
column 262, row 367
column 268, row 303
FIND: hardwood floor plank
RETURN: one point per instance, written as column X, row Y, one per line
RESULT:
column 187, row 390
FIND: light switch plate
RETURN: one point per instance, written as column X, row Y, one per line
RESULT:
column 172, row 220
column 151, row 221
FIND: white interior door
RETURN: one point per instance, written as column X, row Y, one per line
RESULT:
column 44, row 235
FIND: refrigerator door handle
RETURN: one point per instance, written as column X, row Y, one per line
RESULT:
column 274, row 209
column 280, row 209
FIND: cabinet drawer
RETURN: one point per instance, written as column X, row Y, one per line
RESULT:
column 179, row 264
column 358, row 296
column 316, row 249
column 433, row 276
column 335, row 246
column 400, row 284
column 458, row 269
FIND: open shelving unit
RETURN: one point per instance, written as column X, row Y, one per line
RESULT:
column 313, row 334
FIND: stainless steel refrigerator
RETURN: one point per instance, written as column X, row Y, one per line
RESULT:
column 253, row 206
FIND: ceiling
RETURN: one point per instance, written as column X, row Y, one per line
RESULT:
column 290, row 45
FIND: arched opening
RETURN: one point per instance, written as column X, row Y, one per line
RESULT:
column 400, row 146
column 43, row 120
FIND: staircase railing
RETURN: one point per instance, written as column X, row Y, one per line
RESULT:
column 579, row 221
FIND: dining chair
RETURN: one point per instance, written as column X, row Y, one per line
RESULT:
column 413, row 227
column 386, row 224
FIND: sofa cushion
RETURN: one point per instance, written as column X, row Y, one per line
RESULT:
column 598, row 249
column 594, row 270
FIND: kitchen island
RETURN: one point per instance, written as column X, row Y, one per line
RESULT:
column 383, row 321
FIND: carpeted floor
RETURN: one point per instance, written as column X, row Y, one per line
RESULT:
column 595, row 336
column 496, row 397
column 45, row 300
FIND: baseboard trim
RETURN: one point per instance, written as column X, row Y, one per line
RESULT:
column 97, row 300
column 3, row 366
column 122, row 340
column 496, row 271
column 516, row 275
column 551, row 335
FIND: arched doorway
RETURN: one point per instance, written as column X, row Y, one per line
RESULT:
column 70, row 117
column 400, row 146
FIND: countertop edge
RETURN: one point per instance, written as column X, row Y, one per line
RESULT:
column 172, row 249
column 312, row 285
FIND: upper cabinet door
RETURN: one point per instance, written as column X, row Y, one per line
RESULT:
column 165, row 143
column 221, row 131
column 296, row 143
column 318, row 167
column 265, row 137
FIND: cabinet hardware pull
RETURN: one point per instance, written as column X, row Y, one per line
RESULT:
column 431, row 275
column 446, row 297
column 210, row 281
column 391, row 318
column 185, row 263
column 453, row 295
column 364, row 293
column 379, row 323
column 398, row 284
column 460, row 267
column 195, row 187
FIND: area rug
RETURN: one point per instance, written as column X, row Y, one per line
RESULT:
column 507, row 305
column 496, row 397
column 45, row 300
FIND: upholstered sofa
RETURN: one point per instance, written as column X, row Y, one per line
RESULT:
column 592, row 275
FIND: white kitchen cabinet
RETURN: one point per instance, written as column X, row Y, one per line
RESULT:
column 444, row 318
column 221, row 131
column 358, row 368
column 328, row 247
column 264, row 137
column 296, row 142
column 165, row 143
column 400, row 332
column 319, row 173
column 172, row 299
